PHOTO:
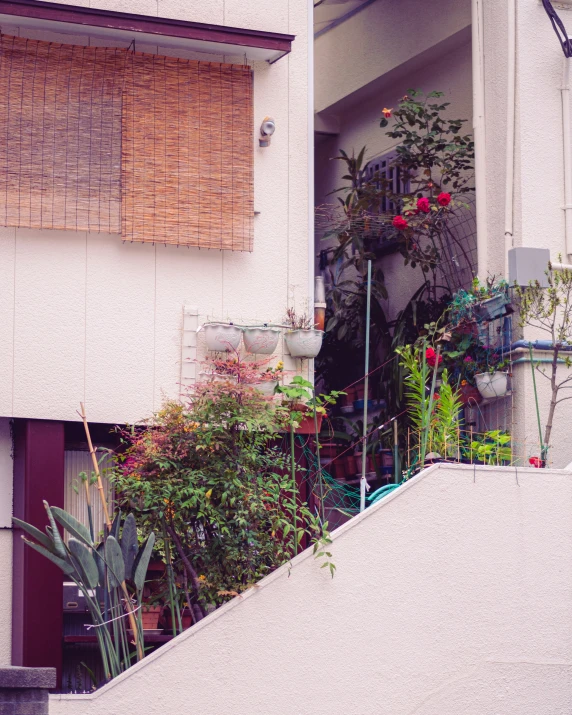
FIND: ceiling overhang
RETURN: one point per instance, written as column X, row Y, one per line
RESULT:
column 168, row 32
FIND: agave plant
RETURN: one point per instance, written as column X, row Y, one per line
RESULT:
column 110, row 574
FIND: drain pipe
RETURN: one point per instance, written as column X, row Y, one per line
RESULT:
column 567, row 148
column 510, row 134
column 478, row 62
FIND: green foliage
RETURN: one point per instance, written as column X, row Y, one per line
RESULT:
column 550, row 311
column 210, row 477
column 100, row 567
column 494, row 448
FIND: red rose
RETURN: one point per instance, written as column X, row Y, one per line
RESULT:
column 444, row 199
column 423, row 205
column 431, row 357
column 536, row 462
column 400, row 223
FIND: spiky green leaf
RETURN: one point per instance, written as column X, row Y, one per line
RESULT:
column 46, row 542
column 71, row 524
column 87, row 566
column 141, row 562
column 129, row 544
column 114, row 561
column 59, row 547
column 65, row 566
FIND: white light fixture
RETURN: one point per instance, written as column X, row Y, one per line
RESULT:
column 267, row 129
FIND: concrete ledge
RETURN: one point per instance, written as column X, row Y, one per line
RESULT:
column 17, row 677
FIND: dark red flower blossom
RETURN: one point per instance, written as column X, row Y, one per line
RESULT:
column 431, row 357
column 423, row 205
column 444, row 199
column 400, row 223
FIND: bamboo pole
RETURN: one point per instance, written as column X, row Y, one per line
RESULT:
column 132, row 620
column 363, row 483
column 95, row 468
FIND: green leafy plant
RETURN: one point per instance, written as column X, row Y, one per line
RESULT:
column 211, row 479
column 115, row 567
column 493, row 448
column 550, row 311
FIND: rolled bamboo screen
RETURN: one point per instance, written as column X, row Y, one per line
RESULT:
column 60, row 135
column 187, row 153
column 101, row 139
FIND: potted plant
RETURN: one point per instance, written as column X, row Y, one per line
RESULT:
column 244, row 372
column 493, row 383
column 269, row 380
column 150, row 616
column 222, row 337
column 262, row 341
column 491, row 299
column 302, row 339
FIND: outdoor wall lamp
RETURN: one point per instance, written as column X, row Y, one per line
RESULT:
column 267, row 129
column 559, row 29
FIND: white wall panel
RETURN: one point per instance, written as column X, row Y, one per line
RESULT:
column 49, row 331
column 120, row 314
column 7, row 307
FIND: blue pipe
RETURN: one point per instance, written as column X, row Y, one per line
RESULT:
column 539, row 345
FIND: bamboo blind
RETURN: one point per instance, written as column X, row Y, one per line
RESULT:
column 101, row 139
column 187, row 153
column 60, row 135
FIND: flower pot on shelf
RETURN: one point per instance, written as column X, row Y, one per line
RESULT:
column 266, row 387
column 150, row 617
column 349, row 397
column 492, row 308
column 306, row 423
column 338, row 469
column 369, row 467
column 304, row 343
column 328, row 451
column 222, row 337
column 492, row 384
column 470, row 396
column 262, row 341
column 359, row 392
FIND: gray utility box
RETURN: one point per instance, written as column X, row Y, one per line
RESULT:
column 528, row 264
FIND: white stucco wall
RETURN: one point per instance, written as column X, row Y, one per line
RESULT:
column 380, row 38
column 6, row 471
column 451, row 596
column 87, row 317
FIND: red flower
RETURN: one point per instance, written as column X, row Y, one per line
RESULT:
column 444, row 199
column 431, row 357
column 400, row 223
column 387, row 112
column 423, row 205
column 536, row 462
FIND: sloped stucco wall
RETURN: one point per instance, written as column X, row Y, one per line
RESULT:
column 451, row 596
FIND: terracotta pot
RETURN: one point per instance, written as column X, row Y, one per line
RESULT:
column 350, row 396
column 360, row 391
column 469, row 395
column 369, row 467
column 306, row 424
column 150, row 617
column 328, row 451
column 339, row 470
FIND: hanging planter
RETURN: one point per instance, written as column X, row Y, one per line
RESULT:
column 492, row 384
column 492, row 308
column 306, row 424
column 304, row 343
column 222, row 337
column 262, row 341
column 266, row 387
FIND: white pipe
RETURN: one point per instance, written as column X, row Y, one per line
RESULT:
column 311, row 249
column 567, row 148
column 478, row 61
column 561, row 266
column 510, row 133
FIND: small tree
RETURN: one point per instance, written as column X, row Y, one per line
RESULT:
column 550, row 310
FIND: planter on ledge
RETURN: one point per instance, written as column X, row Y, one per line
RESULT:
column 304, row 343
column 492, row 384
column 222, row 337
column 261, row 341
column 492, row 308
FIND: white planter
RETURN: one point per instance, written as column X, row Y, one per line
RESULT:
column 262, row 341
column 492, row 385
column 266, row 387
column 304, row 343
column 222, row 337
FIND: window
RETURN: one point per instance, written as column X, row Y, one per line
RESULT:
column 154, row 148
